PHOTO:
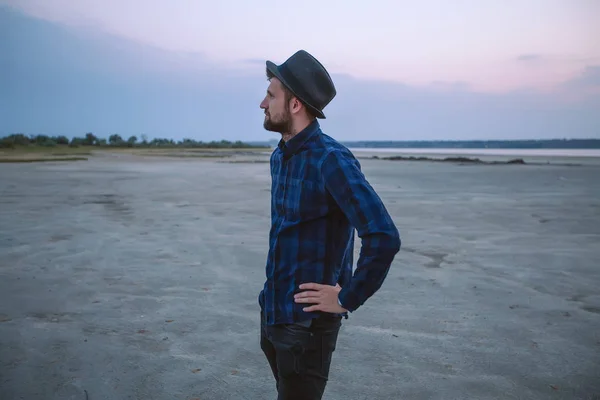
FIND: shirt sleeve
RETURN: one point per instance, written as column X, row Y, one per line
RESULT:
column 365, row 210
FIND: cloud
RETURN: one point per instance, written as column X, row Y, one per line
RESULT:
column 451, row 86
column 413, row 113
column 555, row 59
column 58, row 80
column 589, row 78
column 530, row 57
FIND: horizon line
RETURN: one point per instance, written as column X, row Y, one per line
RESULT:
column 138, row 136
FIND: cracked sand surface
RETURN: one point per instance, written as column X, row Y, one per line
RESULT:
column 136, row 279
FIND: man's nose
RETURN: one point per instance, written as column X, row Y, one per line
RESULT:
column 263, row 104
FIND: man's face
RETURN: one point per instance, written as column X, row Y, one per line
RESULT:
column 277, row 111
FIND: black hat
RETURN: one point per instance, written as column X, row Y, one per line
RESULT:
column 307, row 79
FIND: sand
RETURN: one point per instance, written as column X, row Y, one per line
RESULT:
column 129, row 277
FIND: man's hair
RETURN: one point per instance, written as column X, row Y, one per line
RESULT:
column 288, row 96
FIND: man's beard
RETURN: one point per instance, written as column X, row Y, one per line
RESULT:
column 282, row 124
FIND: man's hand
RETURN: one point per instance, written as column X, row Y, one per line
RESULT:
column 324, row 298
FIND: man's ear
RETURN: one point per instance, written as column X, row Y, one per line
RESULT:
column 296, row 105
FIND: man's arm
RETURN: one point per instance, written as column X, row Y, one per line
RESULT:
column 366, row 212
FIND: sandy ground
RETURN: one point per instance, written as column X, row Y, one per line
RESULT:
column 131, row 278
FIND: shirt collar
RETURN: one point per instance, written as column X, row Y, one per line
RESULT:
column 292, row 146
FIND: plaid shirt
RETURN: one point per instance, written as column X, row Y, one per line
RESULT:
column 319, row 196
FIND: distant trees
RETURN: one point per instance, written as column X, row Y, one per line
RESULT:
column 114, row 140
column 90, row 139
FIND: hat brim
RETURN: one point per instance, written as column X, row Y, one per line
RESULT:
column 274, row 69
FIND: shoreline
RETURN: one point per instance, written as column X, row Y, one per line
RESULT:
column 484, row 156
column 234, row 155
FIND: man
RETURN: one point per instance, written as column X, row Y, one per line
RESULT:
column 318, row 197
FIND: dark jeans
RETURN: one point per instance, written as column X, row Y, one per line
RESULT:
column 300, row 355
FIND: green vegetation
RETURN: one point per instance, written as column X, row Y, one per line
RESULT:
column 90, row 140
column 43, row 159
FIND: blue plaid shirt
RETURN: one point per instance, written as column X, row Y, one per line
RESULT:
column 319, row 196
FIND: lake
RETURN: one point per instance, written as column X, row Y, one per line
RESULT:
column 491, row 152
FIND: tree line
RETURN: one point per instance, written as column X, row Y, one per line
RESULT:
column 115, row 140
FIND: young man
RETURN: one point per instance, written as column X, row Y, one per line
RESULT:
column 319, row 196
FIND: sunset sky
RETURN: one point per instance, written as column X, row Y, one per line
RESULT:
column 486, row 69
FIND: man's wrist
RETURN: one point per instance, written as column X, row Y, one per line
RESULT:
column 345, row 299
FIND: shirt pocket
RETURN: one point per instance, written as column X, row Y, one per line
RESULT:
column 304, row 200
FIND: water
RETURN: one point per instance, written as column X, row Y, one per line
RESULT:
column 486, row 152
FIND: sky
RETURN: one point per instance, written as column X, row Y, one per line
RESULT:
column 420, row 70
